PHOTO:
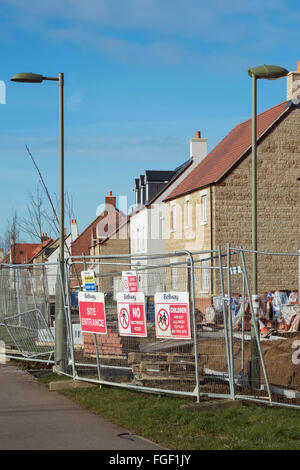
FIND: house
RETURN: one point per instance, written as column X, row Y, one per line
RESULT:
column 51, row 264
column 117, row 243
column 43, row 249
column 107, row 222
column 212, row 205
column 147, row 223
column 20, row 253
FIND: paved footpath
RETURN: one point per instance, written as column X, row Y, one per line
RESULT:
column 33, row 418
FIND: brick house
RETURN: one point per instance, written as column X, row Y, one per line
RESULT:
column 105, row 223
column 117, row 243
column 22, row 253
column 212, row 205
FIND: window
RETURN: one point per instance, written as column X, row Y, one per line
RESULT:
column 144, row 240
column 173, row 217
column 137, row 239
column 187, row 215
column 204, row 209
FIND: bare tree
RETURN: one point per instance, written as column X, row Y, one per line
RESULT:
column 36, row 219
column 11, row 234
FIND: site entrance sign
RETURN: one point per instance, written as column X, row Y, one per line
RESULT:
column 172, row 315
column 131, row 314
column 92, row 312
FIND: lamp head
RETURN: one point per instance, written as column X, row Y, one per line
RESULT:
column 270, row 72
column 27, row 78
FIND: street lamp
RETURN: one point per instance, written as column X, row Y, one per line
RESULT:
column 269, row 72
column 60, row 329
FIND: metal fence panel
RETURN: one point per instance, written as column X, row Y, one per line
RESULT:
column 25, row 324
column 137, row 362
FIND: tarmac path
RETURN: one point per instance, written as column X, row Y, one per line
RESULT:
column 32, row 418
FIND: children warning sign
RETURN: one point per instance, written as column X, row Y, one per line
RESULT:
column 92, row 312
column 131, row 314
column 172, row 315
column 129, row 280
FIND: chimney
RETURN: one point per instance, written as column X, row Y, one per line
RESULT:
column 74, row 230
column 198, row 148
column 110, row 200
column 1, row 254
column 293, row 84
column 44, row 237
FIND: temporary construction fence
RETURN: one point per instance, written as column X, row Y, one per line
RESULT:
column 25, row 311
column 188, row 327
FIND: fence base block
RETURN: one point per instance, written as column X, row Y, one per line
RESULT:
column 69, row 384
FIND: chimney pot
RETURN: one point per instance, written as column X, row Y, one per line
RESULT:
column 198, row 148
column 298, row 65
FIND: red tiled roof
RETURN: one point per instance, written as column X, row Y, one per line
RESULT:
column 40, row 248
column 227, row 152
column 21, row 253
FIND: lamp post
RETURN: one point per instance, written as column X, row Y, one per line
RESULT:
column 269, row 72
column 60, row 326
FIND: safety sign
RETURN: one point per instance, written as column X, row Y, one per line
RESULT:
column 88, row 280
column 131, row 314
column 129, row 279
column 172, row 315
column 92, row 312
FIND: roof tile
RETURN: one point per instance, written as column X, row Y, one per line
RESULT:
column 227, row 152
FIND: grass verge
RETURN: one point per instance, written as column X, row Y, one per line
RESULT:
column 160, row 419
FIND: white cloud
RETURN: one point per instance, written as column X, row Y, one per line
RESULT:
column 214, row 21
column 74, row 100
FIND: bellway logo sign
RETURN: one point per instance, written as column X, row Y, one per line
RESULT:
column 2, row 92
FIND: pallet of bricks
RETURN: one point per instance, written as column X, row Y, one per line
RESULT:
column 167, row 370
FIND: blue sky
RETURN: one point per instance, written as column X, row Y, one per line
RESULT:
column 141, row 77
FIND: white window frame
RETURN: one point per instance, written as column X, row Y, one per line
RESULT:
column 203, row 205
column 138, row 239
column 187, row 212
column 173, row 216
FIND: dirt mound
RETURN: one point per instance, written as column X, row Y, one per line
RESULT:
column 281, row 357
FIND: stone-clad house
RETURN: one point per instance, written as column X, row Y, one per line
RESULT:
column 212, row 205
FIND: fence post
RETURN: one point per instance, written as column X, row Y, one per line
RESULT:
column 191, row 283
column 224, row 317
column 231, row 375
column 69, row 319
column 255, row 327
column 94, row 335
column 299, row 275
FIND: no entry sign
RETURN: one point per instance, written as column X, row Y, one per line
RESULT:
column 131, row 314
column 92, row 312
column 172, row 315
column 129, row 279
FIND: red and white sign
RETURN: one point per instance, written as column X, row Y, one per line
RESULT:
column 131, row 314
column 172, row 315
column 129, row 279
column 92, row 312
